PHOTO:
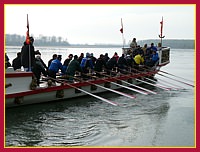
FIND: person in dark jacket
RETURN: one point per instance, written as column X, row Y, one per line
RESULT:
column 28, row 55
column 80, row 57
column 100, row 63
column 55, row 66
column 38, row 53
column 112, row 62
column 16, row 63
column 66, row 62
column 122, row 64
column 38, row 68
column 7, row 63
column 72, row 68
column 106, row 57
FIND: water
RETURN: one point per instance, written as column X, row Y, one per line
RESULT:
column 166, row 119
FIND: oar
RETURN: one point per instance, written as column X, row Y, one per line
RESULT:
column 115, row 91
column 176, row 80
column 98, row 97
column 144, row 89
column 169, row 87
column 171, row 84
column 155, row 85
column 132, row 89
column 175, row 76
column 93, row 95
column 150, row 75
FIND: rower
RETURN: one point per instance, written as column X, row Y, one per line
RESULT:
column 55, row 66
column 86, row 65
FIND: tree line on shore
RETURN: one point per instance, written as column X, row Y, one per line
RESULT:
column 18, row 40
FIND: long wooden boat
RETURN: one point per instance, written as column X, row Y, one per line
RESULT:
column 19, row 90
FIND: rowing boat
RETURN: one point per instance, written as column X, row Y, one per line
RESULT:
column 21, row 90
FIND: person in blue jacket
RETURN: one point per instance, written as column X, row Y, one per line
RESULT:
column 55, row 66
column 153, row 60
column 86, row 65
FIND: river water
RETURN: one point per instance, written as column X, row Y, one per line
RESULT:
column 164, row 120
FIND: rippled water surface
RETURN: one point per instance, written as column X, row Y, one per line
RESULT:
column 165, row 119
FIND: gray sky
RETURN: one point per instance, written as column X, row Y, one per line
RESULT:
column 96, row 24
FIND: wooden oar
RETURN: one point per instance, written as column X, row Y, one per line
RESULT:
column 115, row 91
column 172, row 84
column 93, row 95
column 169, row 87
column 132, row 89
column 172, row 78
column 175, row 75
column 176, row 80
column 155, row 85
column 144, row 89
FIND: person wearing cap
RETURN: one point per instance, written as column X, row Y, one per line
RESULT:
column 55, row 66
column 72, row 68
column 25, row 56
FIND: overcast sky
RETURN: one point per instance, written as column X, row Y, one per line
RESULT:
column 95, row 24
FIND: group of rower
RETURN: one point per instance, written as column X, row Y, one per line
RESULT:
column 87, row 63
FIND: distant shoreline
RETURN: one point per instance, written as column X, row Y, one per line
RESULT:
column 17, row 40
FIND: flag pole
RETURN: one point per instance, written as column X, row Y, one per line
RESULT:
column 28, row 42
column 121, row 30
column 161, row 32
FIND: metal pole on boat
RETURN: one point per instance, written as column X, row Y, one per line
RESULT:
column 86, row 92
